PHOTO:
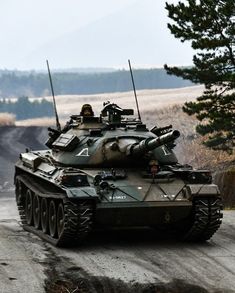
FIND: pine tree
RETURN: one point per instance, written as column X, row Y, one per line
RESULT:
column 210, row 27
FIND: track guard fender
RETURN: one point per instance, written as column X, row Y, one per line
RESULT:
column 82, row 193
column 201, row 190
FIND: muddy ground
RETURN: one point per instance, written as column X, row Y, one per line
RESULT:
column 139, row 260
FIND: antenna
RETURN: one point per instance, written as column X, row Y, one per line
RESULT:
column 133, row 83
column 53, row 95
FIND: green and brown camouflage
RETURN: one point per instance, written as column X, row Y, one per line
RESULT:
column 111, row 170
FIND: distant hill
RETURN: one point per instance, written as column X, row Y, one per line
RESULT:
column 35, row 84
column 59, row 70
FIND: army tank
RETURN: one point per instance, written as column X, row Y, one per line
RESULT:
column 112, row 171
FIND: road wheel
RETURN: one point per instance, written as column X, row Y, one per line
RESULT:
column 29, row 207
column 60, row 219
column 36, row 211
column 44, row 215
column 52, row 218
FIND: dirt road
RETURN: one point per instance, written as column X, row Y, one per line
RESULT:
column 114, row 261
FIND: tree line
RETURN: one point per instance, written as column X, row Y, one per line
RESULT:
column 16, row 83
column 23, row 108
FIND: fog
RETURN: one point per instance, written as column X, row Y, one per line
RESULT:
column 32, row 31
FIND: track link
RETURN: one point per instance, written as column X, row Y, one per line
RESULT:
column 206, row 219
column 77, row 223
column 78, row 216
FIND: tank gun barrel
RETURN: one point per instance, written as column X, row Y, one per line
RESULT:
column 150, row 144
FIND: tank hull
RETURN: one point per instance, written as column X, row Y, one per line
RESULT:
column 66, row 216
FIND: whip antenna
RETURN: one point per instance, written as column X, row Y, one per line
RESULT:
column 133, row 83
column 53, row 96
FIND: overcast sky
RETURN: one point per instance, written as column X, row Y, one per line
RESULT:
column 27, row 26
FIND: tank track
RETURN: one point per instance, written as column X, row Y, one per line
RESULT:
column 206, row 219
column 78, row 216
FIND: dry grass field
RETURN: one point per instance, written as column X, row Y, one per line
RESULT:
column 149, row 101
column 7, row 119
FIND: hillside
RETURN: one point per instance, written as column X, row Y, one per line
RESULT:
column 13, row 141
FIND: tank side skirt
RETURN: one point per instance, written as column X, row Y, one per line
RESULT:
column 37, row 188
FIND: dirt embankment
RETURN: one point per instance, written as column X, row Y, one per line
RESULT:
column 13, row 141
